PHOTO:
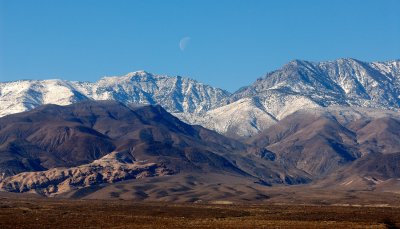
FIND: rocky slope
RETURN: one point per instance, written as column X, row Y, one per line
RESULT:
column 111, row 168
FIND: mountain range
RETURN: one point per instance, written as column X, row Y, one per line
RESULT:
column 329, row 125
column 53, row 149
column 244, row 113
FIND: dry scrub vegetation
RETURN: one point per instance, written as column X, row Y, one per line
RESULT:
column 56, row 213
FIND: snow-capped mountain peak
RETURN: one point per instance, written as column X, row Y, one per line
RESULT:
column 306, row 85
column 176, row 94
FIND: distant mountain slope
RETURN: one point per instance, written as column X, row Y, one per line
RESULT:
column 337, row 145
column 176, row 94
column 242, row 118
column 346, row 82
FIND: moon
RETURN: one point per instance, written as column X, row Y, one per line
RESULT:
column 183, row 43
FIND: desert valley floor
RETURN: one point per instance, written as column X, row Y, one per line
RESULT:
column 280, row 207
column 62, row 213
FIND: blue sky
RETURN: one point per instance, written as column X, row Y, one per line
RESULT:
column 227, row 43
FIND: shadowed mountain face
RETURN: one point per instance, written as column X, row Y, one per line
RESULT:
column 326, row 143
column 317, row 145
column 54, row 136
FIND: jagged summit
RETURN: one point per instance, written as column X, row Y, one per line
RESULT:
column 126, row 77
column 140, row 73
column 296, row 62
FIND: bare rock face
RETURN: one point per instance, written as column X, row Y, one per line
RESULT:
column 111, row 168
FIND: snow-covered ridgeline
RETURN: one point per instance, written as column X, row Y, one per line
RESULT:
column 297, row 85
